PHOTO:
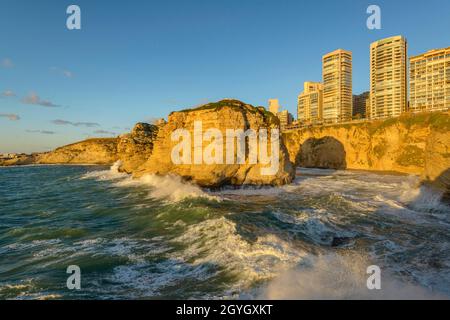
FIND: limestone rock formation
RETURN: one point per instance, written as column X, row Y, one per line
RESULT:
column 135, row 148
column 223, row 115
column 18, row 160
column 90, row 151
column 325, row 152
column 416, row 144
column 132, row 149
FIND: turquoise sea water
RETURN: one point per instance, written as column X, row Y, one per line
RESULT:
column 159, row 237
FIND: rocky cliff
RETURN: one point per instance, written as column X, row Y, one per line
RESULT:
column 135, row 148
column 417, row 144
column 148, row 148
column 90, row 151
column 132, row 149
column 221, row 116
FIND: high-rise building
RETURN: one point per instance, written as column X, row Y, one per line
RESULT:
column 430, row 81
column 388, row 86
column 285, row 118
column 360, row 104
column 274, row 106
column 337, row 86
column 310, row 103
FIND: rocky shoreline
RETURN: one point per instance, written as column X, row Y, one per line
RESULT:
column 147, row 148
column 414, row 144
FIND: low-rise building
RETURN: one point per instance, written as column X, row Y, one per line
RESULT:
column 285, row 118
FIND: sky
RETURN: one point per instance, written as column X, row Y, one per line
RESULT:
column 139, row 60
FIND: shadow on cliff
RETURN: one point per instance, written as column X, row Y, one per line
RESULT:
column 323, row 153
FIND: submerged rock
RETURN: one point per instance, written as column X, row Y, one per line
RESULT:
column 340, row 241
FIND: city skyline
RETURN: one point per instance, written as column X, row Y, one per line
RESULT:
column 71, row 85
column 399, row 83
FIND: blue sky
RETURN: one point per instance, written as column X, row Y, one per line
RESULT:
column 137, row 60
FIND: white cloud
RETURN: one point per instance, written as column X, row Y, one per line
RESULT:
column 68, row 73
column 34, row 99
column 64, row 72
column 8, row 93
column 60, row 122
column 41, row 131
column 105, row 132
column 10, row 116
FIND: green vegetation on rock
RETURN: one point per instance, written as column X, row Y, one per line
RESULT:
column 439, row 121
column 236, row 105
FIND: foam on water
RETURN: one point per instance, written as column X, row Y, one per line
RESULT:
column 104, row 175
column 217, row 242
column 315, row 224
column 168, row 187
column 339, row 276
column 262, row 242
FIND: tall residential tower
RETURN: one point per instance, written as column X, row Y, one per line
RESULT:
column 337, row 86
column 388, row 81
column 430, row 81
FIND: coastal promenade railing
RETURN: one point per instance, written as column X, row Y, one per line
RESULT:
column 356, row 121
column 317, row 125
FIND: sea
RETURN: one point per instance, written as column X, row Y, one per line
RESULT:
column 159, row 237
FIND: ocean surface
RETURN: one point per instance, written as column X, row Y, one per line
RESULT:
column 161, row 238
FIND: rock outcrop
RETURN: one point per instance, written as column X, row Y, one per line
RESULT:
column 132, row 149
column 223, row 115
column 90, row 151
column 135, row 148
column 148, row 148
column 416, row 144
column 19, row 160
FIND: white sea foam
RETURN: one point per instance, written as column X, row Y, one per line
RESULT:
column 212, row 247
column 217, row 242
column 251, row 191
column 104, row 175
column 135, row 250
column 168, row 187
column 315, row 224
column 148, row 280
column 426, row 199
column 398, row 192
column 340, row 276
